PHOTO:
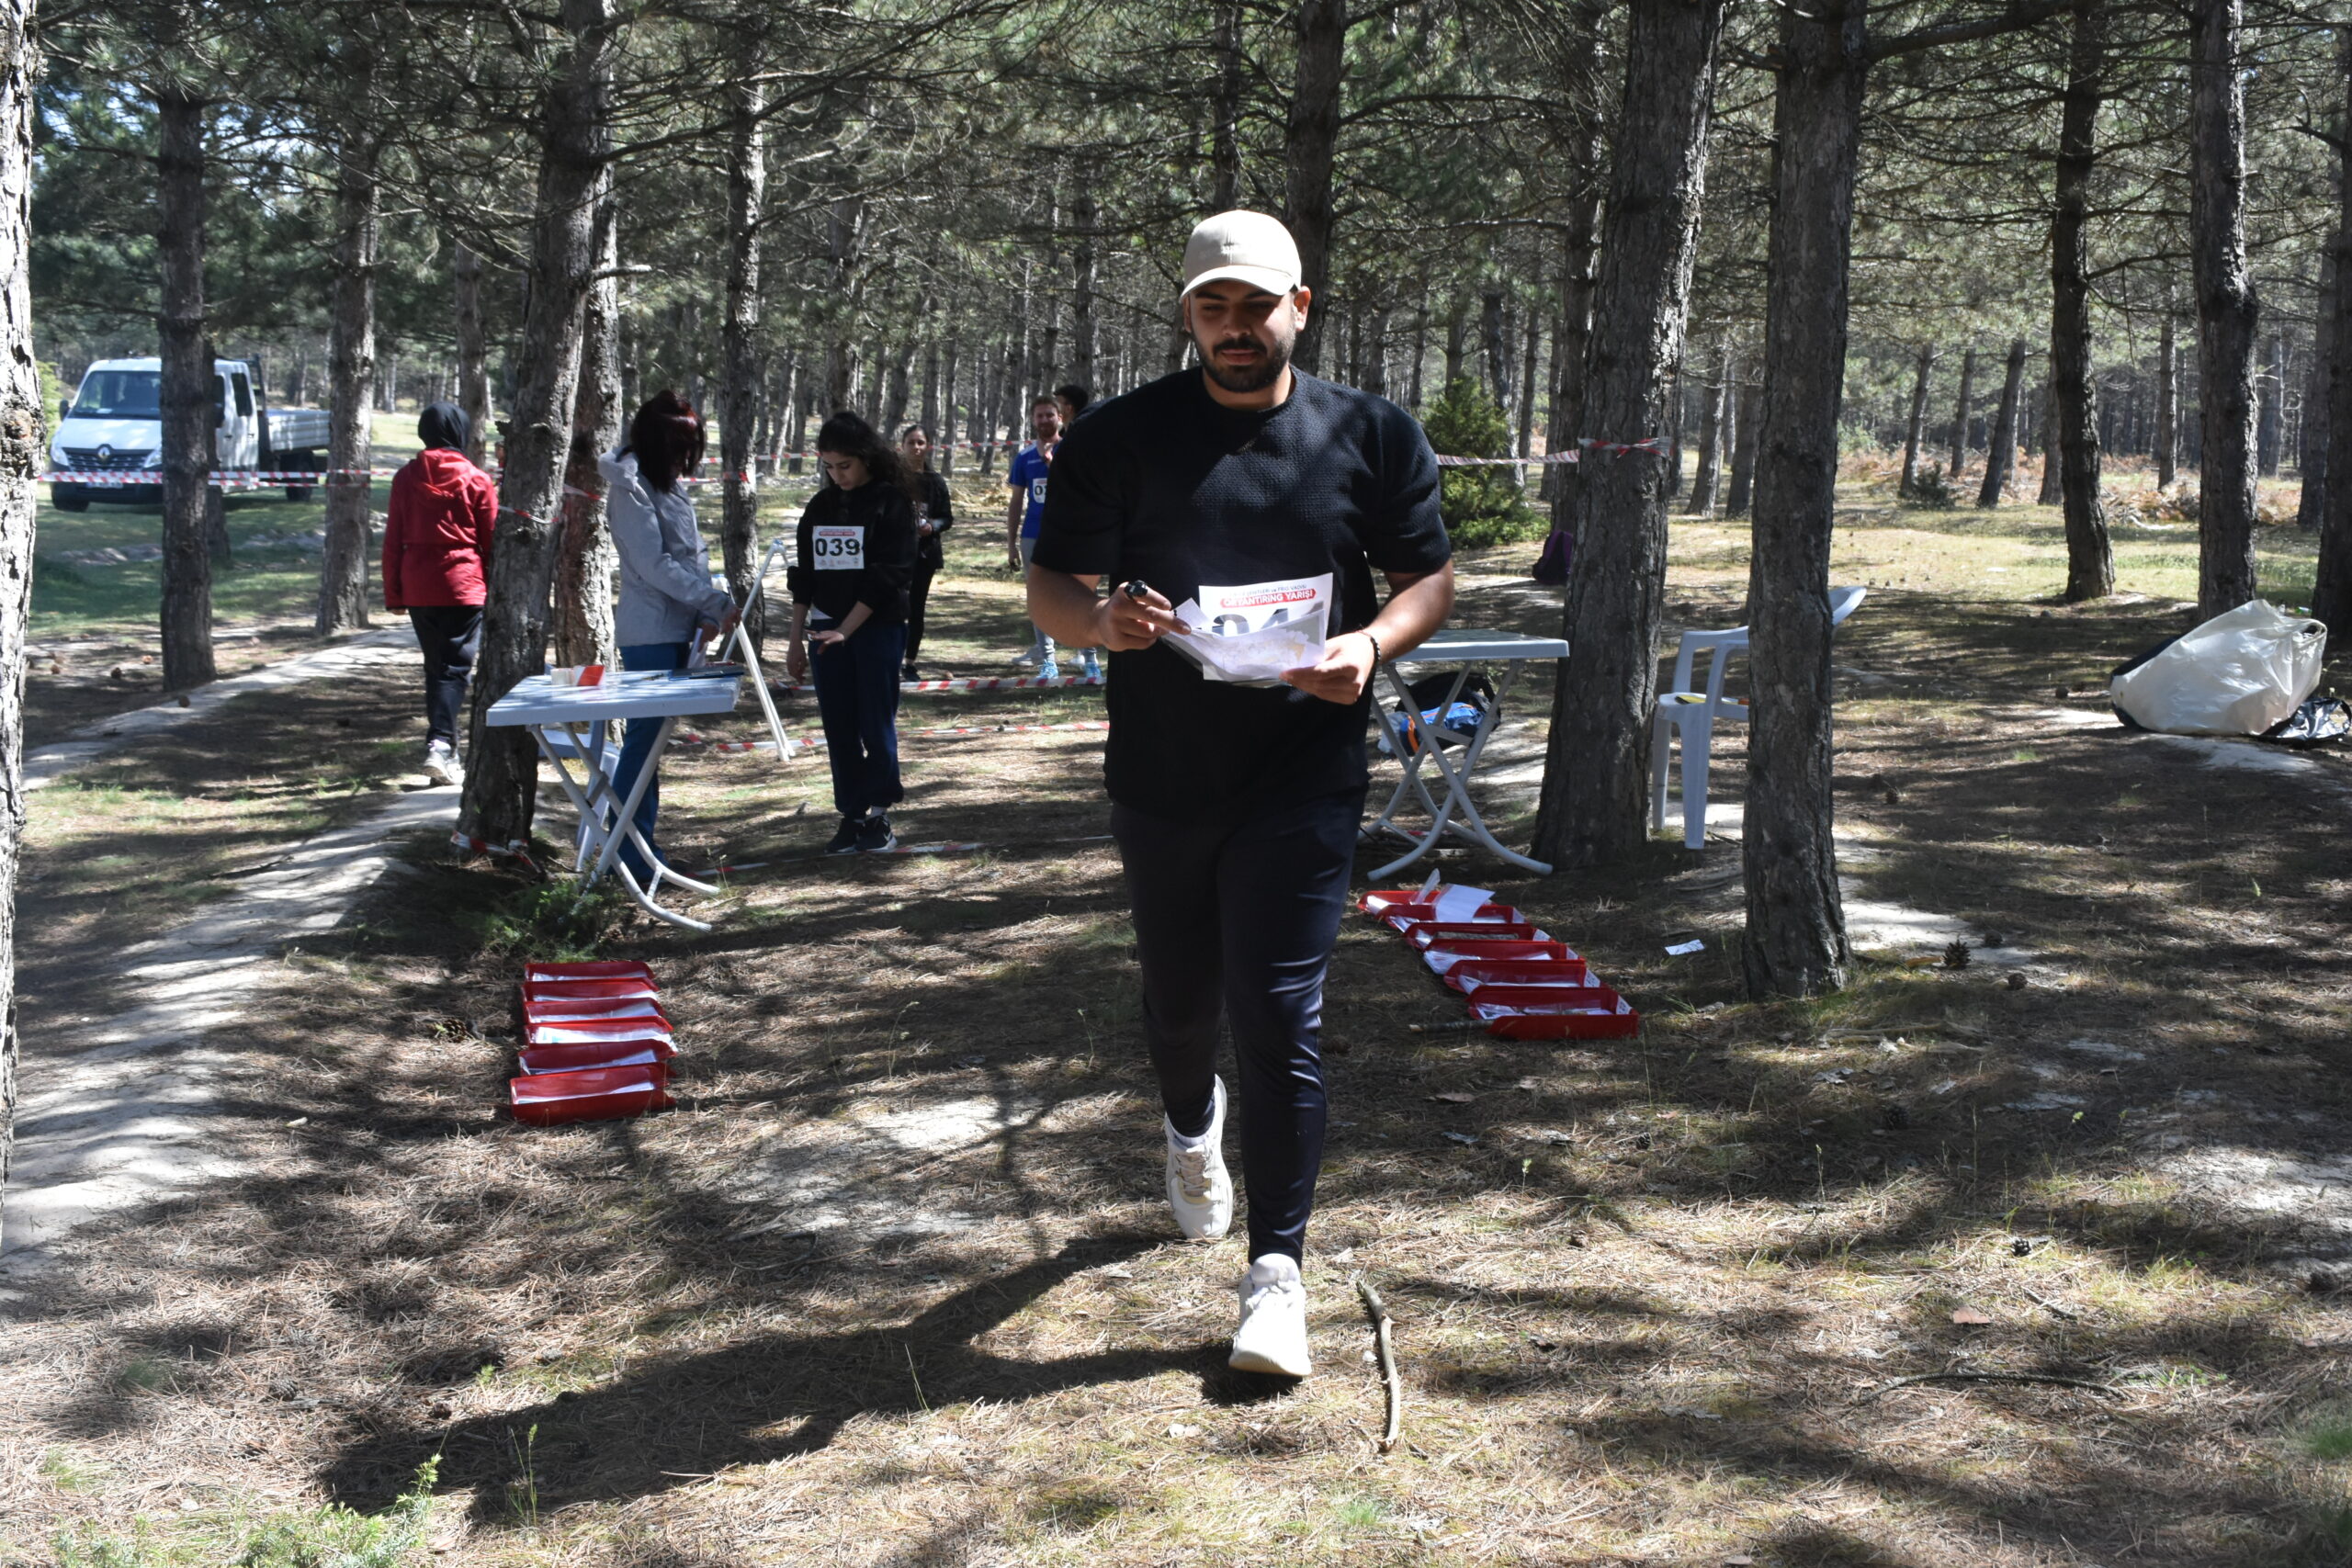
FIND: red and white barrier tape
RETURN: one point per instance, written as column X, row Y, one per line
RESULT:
column 474, row 846
column 227, row 478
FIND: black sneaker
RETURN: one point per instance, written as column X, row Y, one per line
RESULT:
column 845, row 837
column 874, row 835
column 909, row 672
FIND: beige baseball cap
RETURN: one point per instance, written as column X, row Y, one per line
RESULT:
column 1249, row 246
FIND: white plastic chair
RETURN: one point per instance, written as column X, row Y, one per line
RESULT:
column 1689, row 707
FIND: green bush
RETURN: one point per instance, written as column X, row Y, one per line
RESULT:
column 1929, row 488
column 1482, row 506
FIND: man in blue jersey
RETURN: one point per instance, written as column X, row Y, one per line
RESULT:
column 1027, row 475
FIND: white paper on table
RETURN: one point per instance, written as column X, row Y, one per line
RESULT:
column 1458, row 904
column 1255, row 631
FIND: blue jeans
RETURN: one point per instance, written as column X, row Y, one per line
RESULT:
column 1237, row 921
column 637, row 750
column 857, row 698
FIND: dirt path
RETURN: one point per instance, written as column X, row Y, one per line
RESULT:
column 146, row 1105
column 145, row 1102
column 44, row 765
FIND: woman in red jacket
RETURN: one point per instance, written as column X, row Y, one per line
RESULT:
column 436, row 567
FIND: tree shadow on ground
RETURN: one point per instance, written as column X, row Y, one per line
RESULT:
column 681, row 1418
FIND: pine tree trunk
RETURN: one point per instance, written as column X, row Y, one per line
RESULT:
column 23, row 454
column 1743, row 453
column 1490, row 339
column 1674, row 392
column 1795, row 940
column 189, row 386
column 1527, row 367
column 1310, row 145
column 1596, row 803
column 2001, row 447
column 1709, row 479
column 2332, row 594
column 1907, row 485
column 894, row 410
column 2269, row 420
column 2090, row 563
column 351, row 363
column 501, row 767
column 2311, row 465
column 2168, row 402
column 580, row 606
column 1083, row 216
column 1960, row 419
column 473, row 352
column 1224, row 137
column 2228, row 314
column 2053, row 492
column 747, row 185
column 946, row 433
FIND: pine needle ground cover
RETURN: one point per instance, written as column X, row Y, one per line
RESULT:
column 893, row 1284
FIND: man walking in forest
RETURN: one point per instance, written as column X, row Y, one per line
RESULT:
column 1236, row 806
column 1026, row 474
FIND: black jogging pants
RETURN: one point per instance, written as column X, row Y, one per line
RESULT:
column 1237, row 921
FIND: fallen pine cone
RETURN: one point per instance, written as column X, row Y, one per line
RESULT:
column 1956, row 955
column 2016, row 978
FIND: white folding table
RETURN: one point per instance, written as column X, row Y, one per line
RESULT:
column 1467, row 649
column 580, row 715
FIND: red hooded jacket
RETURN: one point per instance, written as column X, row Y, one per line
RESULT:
column 436, row 531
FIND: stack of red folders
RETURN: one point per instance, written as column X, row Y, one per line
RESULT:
column 596, row 1043
column 1520, row 983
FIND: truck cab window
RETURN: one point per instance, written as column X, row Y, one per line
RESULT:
column 244, row 395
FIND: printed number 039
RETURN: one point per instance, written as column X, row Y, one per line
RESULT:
column 837, row 548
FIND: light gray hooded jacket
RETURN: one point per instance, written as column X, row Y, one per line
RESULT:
column 665, row 567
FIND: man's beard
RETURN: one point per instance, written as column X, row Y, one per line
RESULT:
column 1254, row 378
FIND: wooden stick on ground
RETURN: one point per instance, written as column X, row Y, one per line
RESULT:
column 1377, row 1311
column 1996, row 1377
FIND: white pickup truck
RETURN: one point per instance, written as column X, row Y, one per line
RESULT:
column 114, row 427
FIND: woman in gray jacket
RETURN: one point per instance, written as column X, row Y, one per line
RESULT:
column 667, row 600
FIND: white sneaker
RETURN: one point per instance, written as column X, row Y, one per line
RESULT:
column 1027, row 656
column 1272, row 1335
column 1198, row 1188
column 441, row 764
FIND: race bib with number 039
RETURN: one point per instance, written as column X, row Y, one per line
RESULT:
column 837, row 548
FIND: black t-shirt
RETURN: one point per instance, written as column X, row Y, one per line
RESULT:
column 1168, row 485
column 865, row 556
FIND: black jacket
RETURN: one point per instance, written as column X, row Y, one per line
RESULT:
column 869, row 566
column 939, row 507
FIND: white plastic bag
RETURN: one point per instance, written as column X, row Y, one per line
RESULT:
column 2239, row 673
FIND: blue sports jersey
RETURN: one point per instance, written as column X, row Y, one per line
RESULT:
column 1028, row 471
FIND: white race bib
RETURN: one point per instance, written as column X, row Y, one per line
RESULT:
column 837, row 548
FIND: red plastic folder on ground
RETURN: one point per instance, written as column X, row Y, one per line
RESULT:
column 1405, row 917
column 1469, row 974
column 591, row 1031
column 1444, row 953
column 573, row 991
column 1611, row 1020
column 565, row 1009
column 1423, row 933
column 580, row 1054
column 539, row 971
column 595, row 1094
